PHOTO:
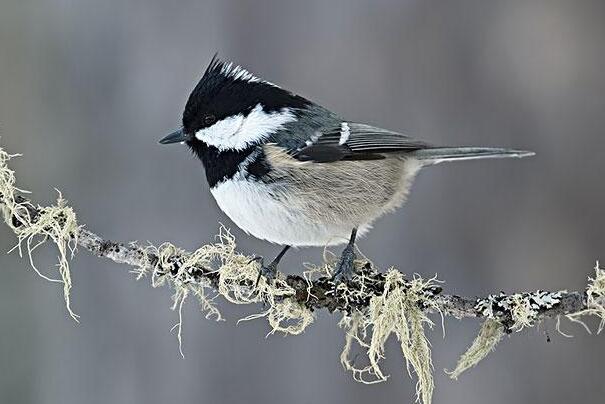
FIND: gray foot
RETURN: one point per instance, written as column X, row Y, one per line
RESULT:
column 345, row 269
column 270, row 271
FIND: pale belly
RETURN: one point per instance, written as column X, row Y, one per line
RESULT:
column 321, row 206
column 252, row 208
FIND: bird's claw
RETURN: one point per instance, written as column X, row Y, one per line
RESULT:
column 267, row 271
column 345, row 268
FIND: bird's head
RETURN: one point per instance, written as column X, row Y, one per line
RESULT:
column 231, row 109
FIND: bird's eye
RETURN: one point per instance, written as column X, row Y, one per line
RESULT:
column 209, row 119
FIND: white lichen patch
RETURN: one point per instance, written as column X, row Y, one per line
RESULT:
column 56, row 223
column 398, row 311
column 595, row 300
column 504, row 314
column 518, row 310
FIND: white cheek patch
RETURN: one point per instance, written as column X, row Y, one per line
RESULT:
column 238, row 132
column 221, row 133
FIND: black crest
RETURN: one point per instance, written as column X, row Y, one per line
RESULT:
column 227, row 89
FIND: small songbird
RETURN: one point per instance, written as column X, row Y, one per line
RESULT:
column 291, row 172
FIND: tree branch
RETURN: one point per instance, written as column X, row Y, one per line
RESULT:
column 320, row 293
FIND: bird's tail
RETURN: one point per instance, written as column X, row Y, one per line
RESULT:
column 441, row 154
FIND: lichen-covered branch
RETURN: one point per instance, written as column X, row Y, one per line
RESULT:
column 319, row 293
column 374, row 305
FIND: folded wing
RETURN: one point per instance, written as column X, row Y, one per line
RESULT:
column 356, row 141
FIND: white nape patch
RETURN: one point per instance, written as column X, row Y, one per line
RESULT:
column 239, row 131
column 345, row 132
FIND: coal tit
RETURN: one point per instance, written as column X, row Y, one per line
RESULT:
column 291, row 172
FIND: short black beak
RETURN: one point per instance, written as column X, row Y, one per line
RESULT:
column 175, row 137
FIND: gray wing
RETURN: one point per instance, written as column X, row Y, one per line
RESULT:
column 355, row 141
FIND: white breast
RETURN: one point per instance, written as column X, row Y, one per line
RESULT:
column 252, row 207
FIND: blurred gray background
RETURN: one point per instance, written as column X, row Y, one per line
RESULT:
column 88, row 87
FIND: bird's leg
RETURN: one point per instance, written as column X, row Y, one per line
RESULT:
column 345, row 269
column 269, row 271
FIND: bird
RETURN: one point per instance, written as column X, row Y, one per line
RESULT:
column 289, row 171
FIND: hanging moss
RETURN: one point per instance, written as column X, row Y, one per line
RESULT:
column 490, row 335
column 595, row 296
column 397, row 311
column 56, row 223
